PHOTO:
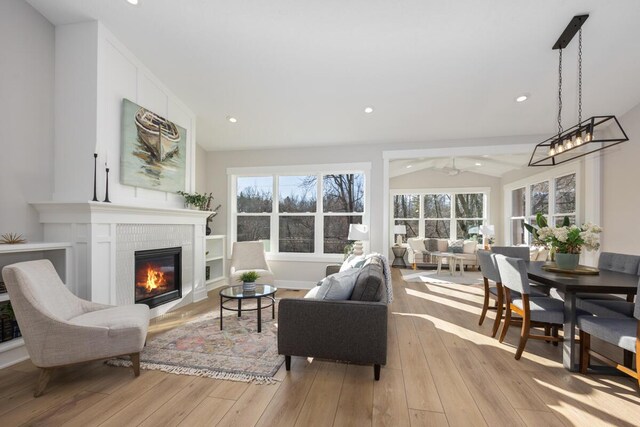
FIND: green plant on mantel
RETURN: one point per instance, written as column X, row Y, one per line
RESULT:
column 200, row 201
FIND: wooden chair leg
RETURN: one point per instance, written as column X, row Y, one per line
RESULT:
column 135, row 363
column 287, row 363
column 376, row 372
column 554, row 333
column 485, row 305
column 547, row 332
column 585, row 343
column 627, row 359
column 43, row 380
column 524, row 335
column 507, row 321
column 500, row 307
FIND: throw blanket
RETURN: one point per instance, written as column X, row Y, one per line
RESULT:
column 387, row 274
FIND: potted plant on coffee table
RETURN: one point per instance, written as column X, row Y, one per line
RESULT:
column 248, row 279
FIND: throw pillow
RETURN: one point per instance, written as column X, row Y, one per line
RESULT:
column 338, row 286
column 456, row 246
column 313, row 293
column 416, row 244
column 352, row 261
column 431, row 245
column 470, row 247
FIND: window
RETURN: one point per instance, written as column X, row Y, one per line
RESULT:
column 299, row 213
column 447, row 215
column 406, row 211
column 554, row 197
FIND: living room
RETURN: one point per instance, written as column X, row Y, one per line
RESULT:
column 333, row 141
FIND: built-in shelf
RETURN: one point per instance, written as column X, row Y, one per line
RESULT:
column 14, row 351
column 214, row 260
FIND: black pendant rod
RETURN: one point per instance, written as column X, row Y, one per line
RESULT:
column 572, row 29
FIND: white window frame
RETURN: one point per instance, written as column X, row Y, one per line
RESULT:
column 526, row 183
column 453, row 226
column 302, row 170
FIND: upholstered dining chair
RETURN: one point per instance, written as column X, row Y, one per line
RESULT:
column 622, row 332
column 535, row 311
column 489, row 268
column 522, row 252
column 249, row 256
column 60, row 329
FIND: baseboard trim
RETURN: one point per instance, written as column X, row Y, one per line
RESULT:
column 295, row 284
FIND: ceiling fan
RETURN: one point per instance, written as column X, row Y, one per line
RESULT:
column 453, row 170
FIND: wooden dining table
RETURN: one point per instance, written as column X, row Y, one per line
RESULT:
column 606, row 282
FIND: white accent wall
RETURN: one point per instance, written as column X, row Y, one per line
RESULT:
column 94, row 72
column 26, row 116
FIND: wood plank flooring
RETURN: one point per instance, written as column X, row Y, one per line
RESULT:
column 443, row 370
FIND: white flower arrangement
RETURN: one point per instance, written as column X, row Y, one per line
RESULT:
column 567, row 238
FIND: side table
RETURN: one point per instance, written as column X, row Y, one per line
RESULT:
column 398, row 253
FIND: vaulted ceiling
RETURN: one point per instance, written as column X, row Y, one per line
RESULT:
column 300, row 73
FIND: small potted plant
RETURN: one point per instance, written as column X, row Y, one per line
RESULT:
column 248, row 280
column 194, row 200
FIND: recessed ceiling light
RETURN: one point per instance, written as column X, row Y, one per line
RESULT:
column 478, row 164
column 232, row 119
column 522, row 98
column 368, row 110
column 409, row 166
column 133, row 2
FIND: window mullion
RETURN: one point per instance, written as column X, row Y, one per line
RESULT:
column 319, row 223
column 275, row 217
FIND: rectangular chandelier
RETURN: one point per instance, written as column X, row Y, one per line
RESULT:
column 587, row 137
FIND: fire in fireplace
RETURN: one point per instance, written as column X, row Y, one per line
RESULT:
column 158, row 276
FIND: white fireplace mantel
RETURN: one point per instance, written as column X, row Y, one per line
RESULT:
column 105, row 235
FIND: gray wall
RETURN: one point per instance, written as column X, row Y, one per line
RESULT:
column 26, row 107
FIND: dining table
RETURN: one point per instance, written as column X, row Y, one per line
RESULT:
column 570, row 284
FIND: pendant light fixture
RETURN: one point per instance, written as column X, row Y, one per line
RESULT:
column 586, row 137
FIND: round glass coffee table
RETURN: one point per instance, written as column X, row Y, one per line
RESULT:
column 236, row 293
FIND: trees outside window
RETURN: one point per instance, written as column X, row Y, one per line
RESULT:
column 300, row 220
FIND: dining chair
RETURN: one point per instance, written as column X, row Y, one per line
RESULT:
column 624, row 333
column 535, row 311
column 489, row 269
column 522, row 252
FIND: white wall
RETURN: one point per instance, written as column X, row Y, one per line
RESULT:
column 26, row 108
column 201, row 169
column 620, row 201
column 430, row 179
column 94, row 72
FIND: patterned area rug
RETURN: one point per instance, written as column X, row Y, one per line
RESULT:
column 431, row 276
column 200, row 348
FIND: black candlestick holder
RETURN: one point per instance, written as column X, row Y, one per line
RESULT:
column 95, row 165
column 106, row 191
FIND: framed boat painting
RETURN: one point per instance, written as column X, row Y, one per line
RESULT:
column 153, row 150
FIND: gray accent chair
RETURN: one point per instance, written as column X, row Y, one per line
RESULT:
column 354, row 330
column 489, row 268
column 522, row 252
column 535, row 311
column 624, row 333
column 60, row 329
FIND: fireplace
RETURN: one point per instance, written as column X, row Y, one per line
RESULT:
column 158, row 276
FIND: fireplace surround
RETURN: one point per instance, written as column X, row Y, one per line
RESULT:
column 158, row 276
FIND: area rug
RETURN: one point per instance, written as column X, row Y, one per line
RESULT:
column 431, row 276
column 200, row 348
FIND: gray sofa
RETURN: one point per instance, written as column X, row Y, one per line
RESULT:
column 354, row 330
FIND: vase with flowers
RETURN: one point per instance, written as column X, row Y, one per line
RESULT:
column 565, row 240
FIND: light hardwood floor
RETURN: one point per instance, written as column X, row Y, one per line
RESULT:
column 443, row 369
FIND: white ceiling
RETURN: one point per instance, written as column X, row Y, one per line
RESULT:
column 299, row 73
column 491, row 165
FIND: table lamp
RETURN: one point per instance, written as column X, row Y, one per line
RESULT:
column 358, row 233
column 399, row 230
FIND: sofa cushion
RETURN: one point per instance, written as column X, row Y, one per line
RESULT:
column 313, row 293
column 370, row 284
column 352, row 261
column 456, row 246
column 338, row 286
column 431, row 245
column 443, row 245
column 469, row 247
